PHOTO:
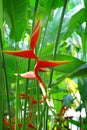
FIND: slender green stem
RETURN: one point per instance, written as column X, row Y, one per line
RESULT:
column 17, row 96
column 56, row 46
column 1, row 98
column 6, row 81
column 37, row 94
column 35, row 10
column 1, row 72
column 26, row 89
column 57, row 38
column 46, row 27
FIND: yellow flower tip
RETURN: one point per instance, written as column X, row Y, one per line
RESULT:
column 70, row 85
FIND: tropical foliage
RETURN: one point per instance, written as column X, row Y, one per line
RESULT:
column 43, row 64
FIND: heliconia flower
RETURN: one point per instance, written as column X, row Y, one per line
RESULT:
column 7, row 123
column 22, row 95
column 35, row 35
column 20, row 124
column 34, row 101
column 13, row 127
column 40, row 64
column 31, row 126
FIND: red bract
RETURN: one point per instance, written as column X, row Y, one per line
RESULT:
column 34, row 101
column 22, row 96
column 7, row 123
column 24, row 54
column 31, row 126
column 35, row 35
column 49, row 64
column 20, row 125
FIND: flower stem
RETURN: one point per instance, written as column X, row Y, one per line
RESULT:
column 1, row 98
column 56, row 47
column 46, row 27
column 6, row 81
column 57, row 38
column 26, row 89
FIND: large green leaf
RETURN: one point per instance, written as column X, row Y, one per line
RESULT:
column 15, row 14
column 66, row 68
column 57, row 3
column 83, row 89
column 1, row 14
column 44, row 7
column 74, row 22
column 81, row 71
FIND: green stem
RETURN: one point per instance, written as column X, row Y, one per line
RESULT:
column 56, row 47
column 1, row 98
column 26, row 89
column 17, row 96
column 46, row 27
column 57, row 38
column 6, row 81
column 35, row 10
column 38, row 105
column 1, row 72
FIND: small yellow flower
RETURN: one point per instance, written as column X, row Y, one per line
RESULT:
column 71, row 86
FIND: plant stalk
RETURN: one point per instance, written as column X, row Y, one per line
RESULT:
column 56, row 47
column 1, row 98
column 57, row 38
column 46, row 27
column 26, row 89
column 6, row 80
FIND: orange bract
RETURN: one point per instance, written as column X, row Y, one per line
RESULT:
column 35, row 35
column 7, row 123
column 23, row 54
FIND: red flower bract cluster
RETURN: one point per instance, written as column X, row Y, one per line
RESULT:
column 40, row 64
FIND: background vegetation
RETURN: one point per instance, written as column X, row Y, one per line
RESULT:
column 63, row 36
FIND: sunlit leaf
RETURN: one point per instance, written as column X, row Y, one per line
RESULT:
column 15, row 15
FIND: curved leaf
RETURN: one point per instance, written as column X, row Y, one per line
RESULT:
column 15, row 14
column 74, row 22
column 81, row 71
